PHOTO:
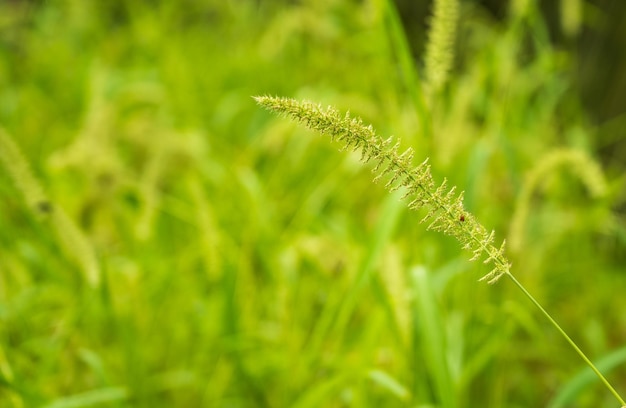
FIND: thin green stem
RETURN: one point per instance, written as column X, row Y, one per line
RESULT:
column 569, row 340
column 400, row 46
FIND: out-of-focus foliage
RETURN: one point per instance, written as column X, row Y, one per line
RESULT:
column 243, row 262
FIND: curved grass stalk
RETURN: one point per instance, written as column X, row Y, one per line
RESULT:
column 577, row 162
column 72, row 239
column 445, row 207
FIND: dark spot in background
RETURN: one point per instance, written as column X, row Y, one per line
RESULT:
column 44, row 207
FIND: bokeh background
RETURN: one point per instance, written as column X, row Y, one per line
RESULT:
column 177, row 245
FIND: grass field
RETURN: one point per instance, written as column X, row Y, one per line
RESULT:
column 165, row 241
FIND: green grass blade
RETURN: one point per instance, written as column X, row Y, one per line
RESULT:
column 91, row 398
column 432, row 338
column 568, row 392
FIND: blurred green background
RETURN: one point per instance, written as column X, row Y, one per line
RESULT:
column 197, row 251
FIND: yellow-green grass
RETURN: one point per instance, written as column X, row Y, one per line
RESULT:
column 243, row 262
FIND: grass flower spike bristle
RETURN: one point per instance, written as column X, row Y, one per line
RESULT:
column 444, row 206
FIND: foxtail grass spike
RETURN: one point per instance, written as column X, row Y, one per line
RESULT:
column 72, row 239
column 445, row 208
column 440, row 46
